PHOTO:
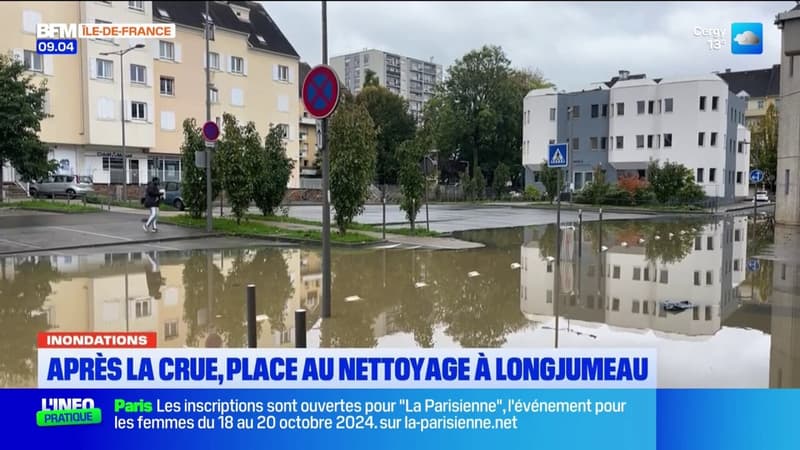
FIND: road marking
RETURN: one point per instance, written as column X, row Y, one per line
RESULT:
column 93, row 233
column 19, row 243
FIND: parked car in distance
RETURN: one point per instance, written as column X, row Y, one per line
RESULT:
column 762, row 196
column 62, row 186
column 171, row 195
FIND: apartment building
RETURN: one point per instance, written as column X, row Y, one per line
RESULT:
column 761, row 88
column 787, row 192
column 623, row 124
column 308, row 132
column 253, row 76
column 411, row 78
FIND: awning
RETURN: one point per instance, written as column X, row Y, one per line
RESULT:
column 636, row 165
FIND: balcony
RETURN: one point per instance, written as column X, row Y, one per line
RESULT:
column 305, row 119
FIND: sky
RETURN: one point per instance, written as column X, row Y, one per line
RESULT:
column 571, row 43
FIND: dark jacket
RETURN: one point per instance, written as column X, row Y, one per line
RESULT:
column 152, row 196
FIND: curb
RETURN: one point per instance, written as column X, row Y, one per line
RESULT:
column 148, row 241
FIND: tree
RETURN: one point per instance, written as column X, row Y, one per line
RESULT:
column 236, row 143
column 370, row 78
column 22, row 110
column 550, row 177
column 193, row 184
column 502, row 175
column 271, row 170
column 352, row 140
column 764, row 150
column 412, row 181
column 673, row 182
column 393, row 125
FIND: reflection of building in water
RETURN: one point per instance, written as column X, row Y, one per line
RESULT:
column 623, row 287
column 785, row 323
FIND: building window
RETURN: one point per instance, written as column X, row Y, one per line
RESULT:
column 138, row 74
column 615, row 272
column 736, row 266
column 645, row 307
column 575, row 143
column 167, row 86
column 698, row 243
column 552, row 141
column 650, row 107
column 593, row 143
column 713, row 139
column 237, row 64
column 576, row 112
column 639, row 141
column 595, row 111
column 213, row 95
column 701, row 138
column 620, row 142
column 740, row 147
column 138, row 6
column 649, row 141
column 667, row 139
column 714, row 103
column 702, row 103
column 760, row 104
column 138, row 111
column 549, row 296
column 709, row 278
column 786, row 182
column 697, row 278
column 737, row 235
column 637, row 273
column 699, row 177
column 213, row 59
column 646, row 274
column 640, row 107
column 712, row 175
column 552, row 114
column 620, row 109
column 33, row 61
column 668, row 105
column 615, row 304
column 143, row 308
column 98, row 21
column 710, row 243
column 171, row 329
column 284, row 130
column 708, row 313
column 635, row 307
column 603, row 143
column 166, row 50
column 105, row 69
column 604, row 111
column 283, row 73
column 664, row 277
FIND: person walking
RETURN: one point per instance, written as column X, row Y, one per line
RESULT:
column 152, row 199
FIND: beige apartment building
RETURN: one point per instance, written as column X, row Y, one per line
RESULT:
column 254, row 77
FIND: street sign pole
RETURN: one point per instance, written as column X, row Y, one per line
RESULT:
column 326, row 207
column 756, row 176
column 209, row 200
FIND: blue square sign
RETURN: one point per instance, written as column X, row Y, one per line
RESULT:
column 557, row 155
column 747, row 38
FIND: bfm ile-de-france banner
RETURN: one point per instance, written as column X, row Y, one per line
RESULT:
column 116, row 390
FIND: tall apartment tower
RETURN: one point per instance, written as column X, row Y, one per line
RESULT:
column 787, row 193
column 411, row 78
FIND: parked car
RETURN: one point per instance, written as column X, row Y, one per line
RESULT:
column 171, row 195
column 762, row 196
column 62, row 185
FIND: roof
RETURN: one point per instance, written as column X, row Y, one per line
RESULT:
column 613, row 81
column 691, row 78
column 260, row 23
column 757, row 83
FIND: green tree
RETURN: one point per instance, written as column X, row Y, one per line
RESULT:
column 193, row 183
column 550, row 177
column 764, row 149
column 203, row 284
column 351, row 144
column 22, row 109
column 502, row 175
column 673, row 182
column 393, row 125
column 370, row 78
column 271, row 170
column 411, row 178
column 479, row 182
column 236, row 143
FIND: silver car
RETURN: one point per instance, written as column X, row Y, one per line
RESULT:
column 62, row 185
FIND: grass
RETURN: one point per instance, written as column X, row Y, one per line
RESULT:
column 135, row 204
column 43, row 205
column 353, row 226
column 257, row 228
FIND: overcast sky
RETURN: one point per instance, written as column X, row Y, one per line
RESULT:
column 571, row 43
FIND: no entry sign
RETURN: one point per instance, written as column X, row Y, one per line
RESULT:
column 321, row 91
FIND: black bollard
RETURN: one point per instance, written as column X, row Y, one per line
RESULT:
column 580, row 232
column 252, row 336
column 300, row 328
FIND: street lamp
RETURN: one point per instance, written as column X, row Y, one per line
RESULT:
column 121, row 54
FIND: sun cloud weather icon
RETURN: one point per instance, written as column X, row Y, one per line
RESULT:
column 747, row 38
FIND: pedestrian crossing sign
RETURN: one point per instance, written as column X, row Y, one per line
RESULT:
column 557, row 155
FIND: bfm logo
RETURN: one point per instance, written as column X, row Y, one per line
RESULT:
column 60, row 404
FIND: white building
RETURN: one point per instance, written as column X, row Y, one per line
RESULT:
column 623, row 124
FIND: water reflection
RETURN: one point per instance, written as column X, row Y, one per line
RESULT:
column 743, row 328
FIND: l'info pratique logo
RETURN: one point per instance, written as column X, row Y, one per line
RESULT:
column 68, row 411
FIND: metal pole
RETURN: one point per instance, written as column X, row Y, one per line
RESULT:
column 300, row 328
column 326, row 209
column 252, row 335
column 755, row 205
column 580, row 232
column 383, row 200
column 209, row 192
column 122, row 120
column 427, row 216
column 127, row 320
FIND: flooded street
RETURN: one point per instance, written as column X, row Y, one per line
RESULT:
column 735, row 288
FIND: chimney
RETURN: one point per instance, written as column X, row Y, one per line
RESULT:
column 727, row 70
column 623, row 75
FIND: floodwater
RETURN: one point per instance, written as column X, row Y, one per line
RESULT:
column 742, row 282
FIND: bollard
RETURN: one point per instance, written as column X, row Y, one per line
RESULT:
column 300, row 328
column 580, row 232
column 251, row 316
